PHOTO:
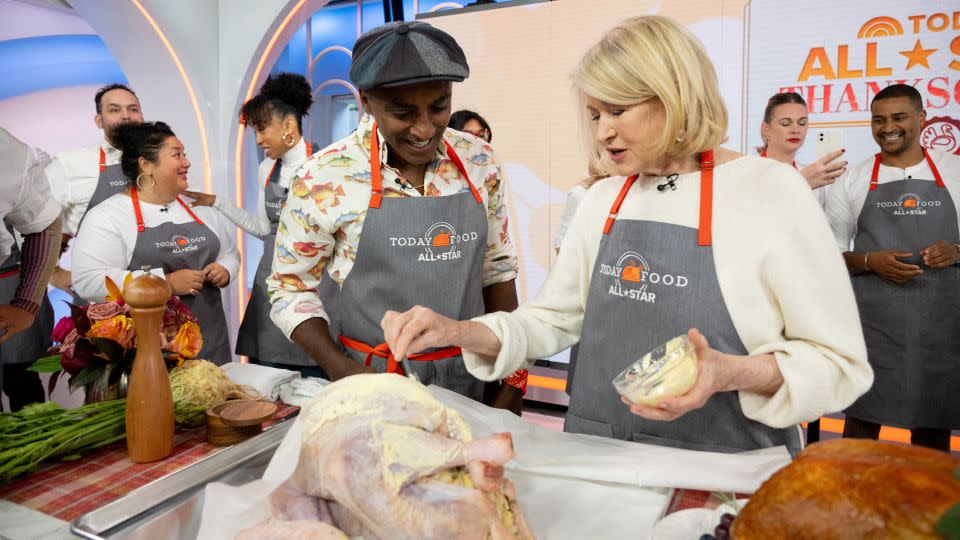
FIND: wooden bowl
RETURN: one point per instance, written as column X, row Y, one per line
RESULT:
column 221, row 433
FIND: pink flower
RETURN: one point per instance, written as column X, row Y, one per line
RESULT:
column 62, row 329
column 70, row 339
column 106, row 310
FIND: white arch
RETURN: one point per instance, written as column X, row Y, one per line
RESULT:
column 452, row 5
column 330, row 49
column 340, row 82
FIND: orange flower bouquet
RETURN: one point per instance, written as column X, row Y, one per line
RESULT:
column 98, row 342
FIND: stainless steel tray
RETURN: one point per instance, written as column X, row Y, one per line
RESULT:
column 170, row 507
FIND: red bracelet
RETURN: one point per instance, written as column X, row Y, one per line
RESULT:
column 518, row 380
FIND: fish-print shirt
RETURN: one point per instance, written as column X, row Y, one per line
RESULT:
column 320, row 226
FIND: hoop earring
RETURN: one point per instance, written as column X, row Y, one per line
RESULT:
column 681, row 135
column 140, row 187
column 289, row 143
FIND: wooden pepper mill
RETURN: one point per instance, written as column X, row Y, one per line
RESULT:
column 149, row 400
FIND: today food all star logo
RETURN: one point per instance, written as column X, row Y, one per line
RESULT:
column 631, row 277
column 908, row 204
column 439, row 243
column 182, row 244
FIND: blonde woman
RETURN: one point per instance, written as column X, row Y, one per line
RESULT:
column 784, row 130
column 765, row 300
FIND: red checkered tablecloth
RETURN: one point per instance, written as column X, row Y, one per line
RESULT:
column 68, row 490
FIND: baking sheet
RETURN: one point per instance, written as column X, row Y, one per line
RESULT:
column 569, row 486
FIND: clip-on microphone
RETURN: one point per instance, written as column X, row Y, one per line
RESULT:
column 671, row 182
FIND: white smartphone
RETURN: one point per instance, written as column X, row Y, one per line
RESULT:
column 828, row 142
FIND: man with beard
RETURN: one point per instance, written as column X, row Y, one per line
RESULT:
column 899, row 209
column 82, row 179
column 401, row 212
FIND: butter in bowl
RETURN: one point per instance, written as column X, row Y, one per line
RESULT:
column 667, row 371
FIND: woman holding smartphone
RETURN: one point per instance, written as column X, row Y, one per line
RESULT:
column 784, row 130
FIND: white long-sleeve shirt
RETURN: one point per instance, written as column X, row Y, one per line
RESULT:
column 574, row 198
column 259, row 224
column 846, row 197
column 107, row 239
column 25, row 200
column 785, row 285
column 73, row 178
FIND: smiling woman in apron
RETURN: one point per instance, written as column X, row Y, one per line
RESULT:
column 784, row 130
column 735, row 255
column 150, row 227
column 276, row 116
column 899, row 210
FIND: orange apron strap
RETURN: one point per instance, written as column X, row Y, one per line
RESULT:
column 376, row 179
column 926, row 155
column 876, row 172
column 269, row 176
column 936, row 172
column 459, row 165
column 136, row 209
column 189, row 211
column 393, row 366
column 704, row 231
column 615, row 209
column 438, row 354
column 103, row 160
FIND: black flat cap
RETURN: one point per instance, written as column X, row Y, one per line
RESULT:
column 402, row 53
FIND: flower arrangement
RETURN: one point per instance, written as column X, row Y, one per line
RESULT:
column 99, row 341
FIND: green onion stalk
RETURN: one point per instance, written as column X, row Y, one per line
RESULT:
column 46, row 431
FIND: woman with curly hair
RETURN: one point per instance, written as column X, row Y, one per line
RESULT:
column 276, row 116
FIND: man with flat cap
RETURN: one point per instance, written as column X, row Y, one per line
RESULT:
column 402, row 212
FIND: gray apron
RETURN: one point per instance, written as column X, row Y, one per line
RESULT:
column 625, row 319
column 193, row 245
column 912, row 331
column 111, row 181
column 416, row 251
column 258, row 337
column 32, row 343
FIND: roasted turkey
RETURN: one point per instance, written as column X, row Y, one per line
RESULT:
column 382, row 458
column 849, row 488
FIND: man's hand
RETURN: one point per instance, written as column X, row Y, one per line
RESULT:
column 825, row 170
column 509, row 398
column 61, row 279
column 941, row 254
column 13, row 320
column 216, row 274
column 887, row 264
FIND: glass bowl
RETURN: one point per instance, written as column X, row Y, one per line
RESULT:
column 667, row 371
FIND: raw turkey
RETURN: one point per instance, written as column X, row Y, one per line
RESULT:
column 382, row 458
